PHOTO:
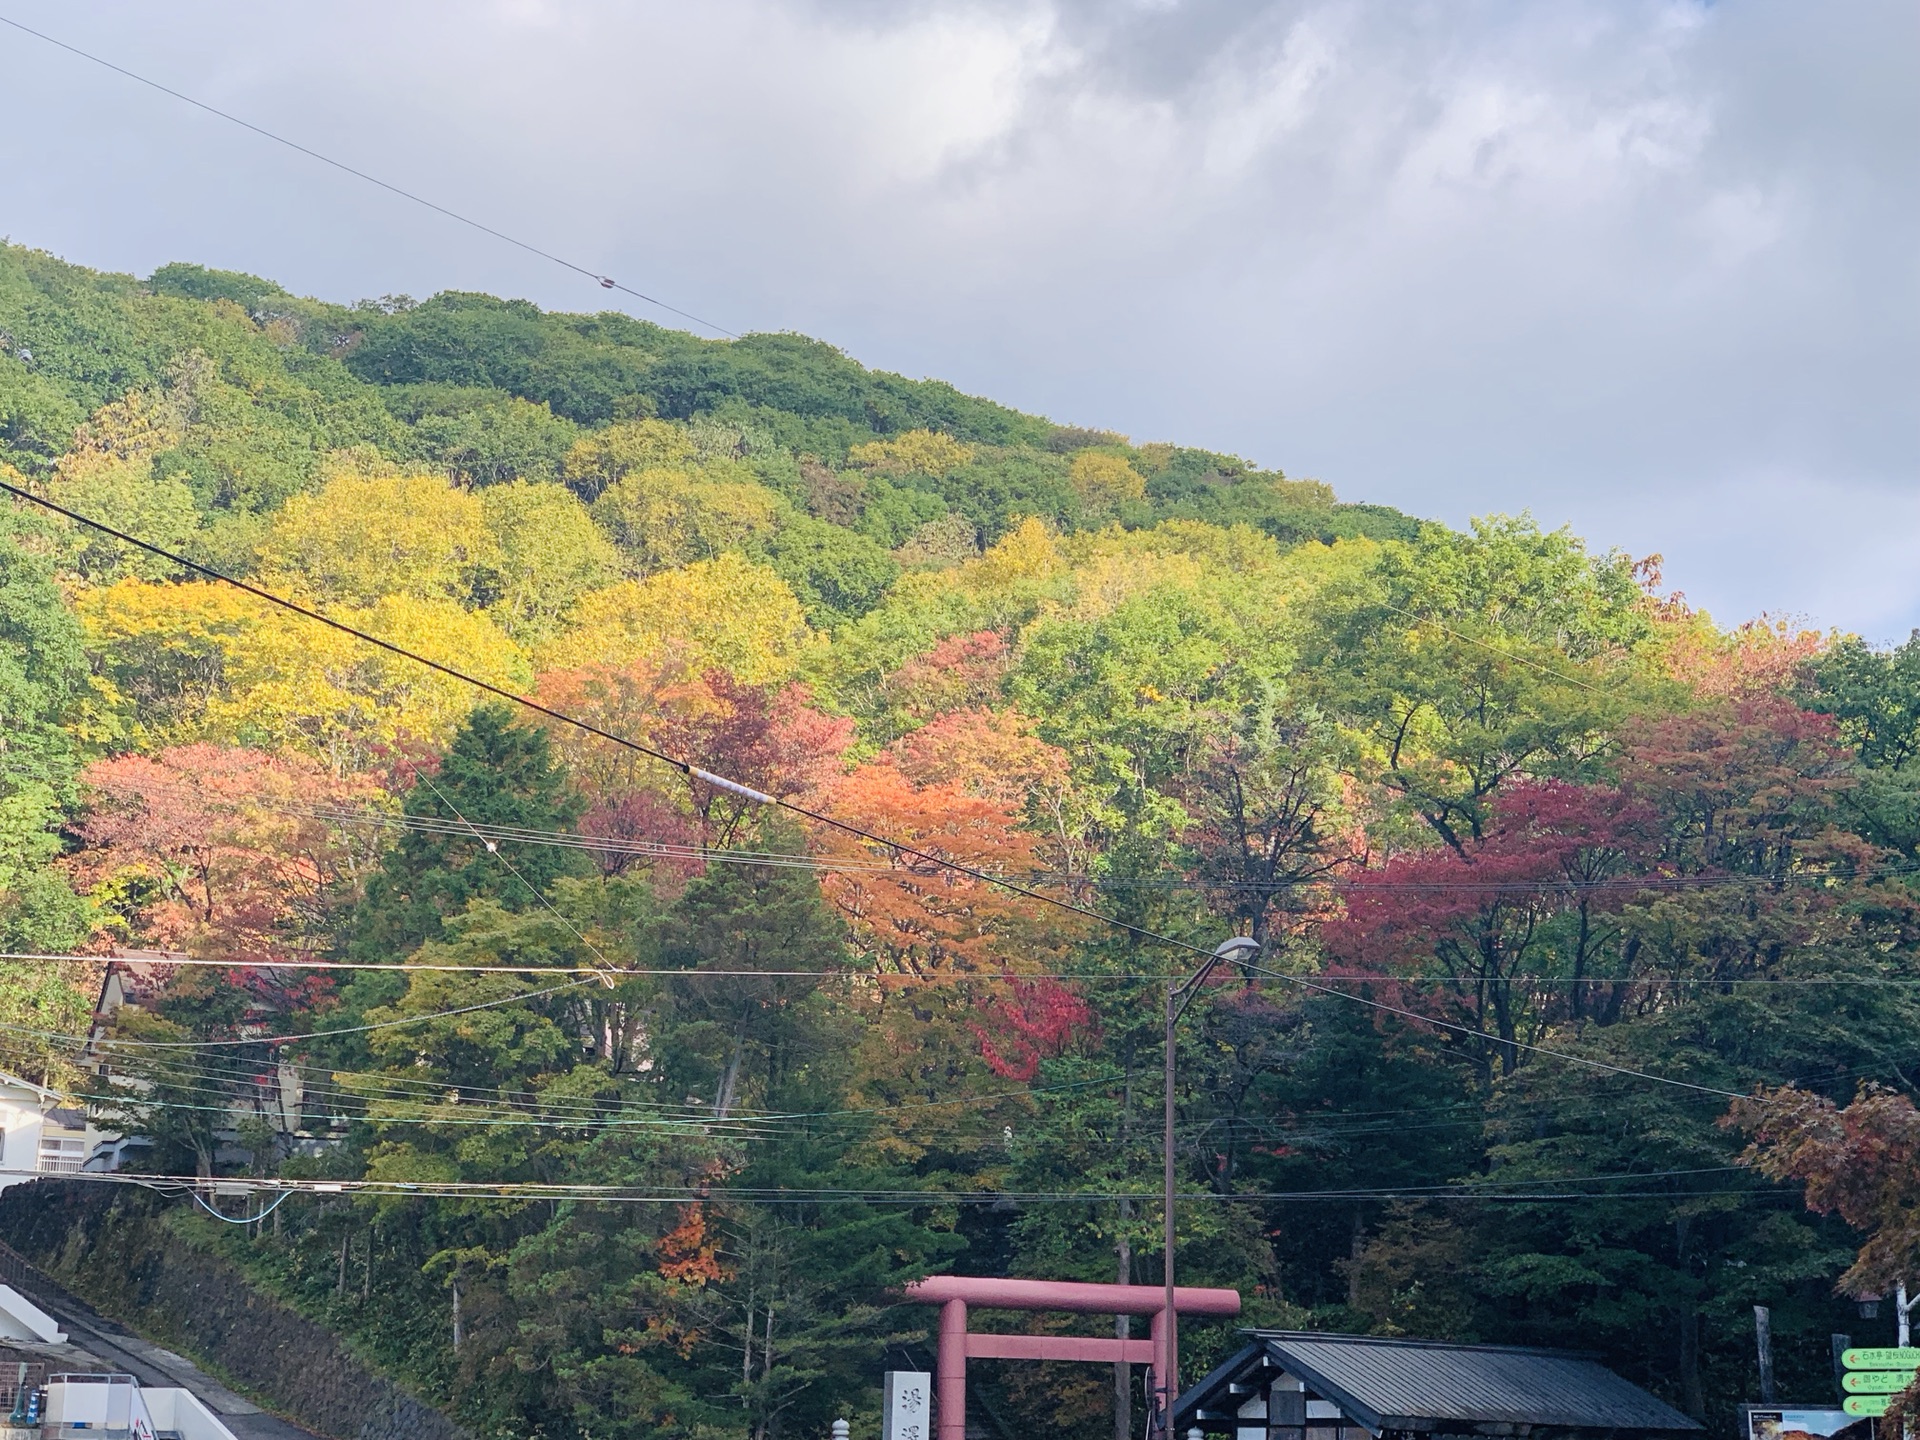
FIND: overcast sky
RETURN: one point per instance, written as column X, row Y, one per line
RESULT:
column 1650, row 269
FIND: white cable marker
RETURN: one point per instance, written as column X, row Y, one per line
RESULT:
column 732, row 787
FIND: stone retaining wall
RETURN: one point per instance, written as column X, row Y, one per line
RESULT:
column 111, row 1247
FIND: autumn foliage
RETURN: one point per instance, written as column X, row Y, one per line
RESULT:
column 1541, row 867
column 1860, row 1161
column 232, row 854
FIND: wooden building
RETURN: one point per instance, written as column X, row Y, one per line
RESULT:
column 1292, row 1385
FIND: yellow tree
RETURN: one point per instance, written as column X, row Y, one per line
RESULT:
column 915, row 452
column 198, row 661
column 305, row 687
column 1105, row 482
column 725, row 612
column 109, row 473
column 608, row 455
column 550, row 552
column 662, row 518
column 362, row 537
column 159, row 657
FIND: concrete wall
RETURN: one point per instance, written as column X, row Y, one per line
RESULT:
column 181, row 1412
column 21, row 1319
column 108, row 1245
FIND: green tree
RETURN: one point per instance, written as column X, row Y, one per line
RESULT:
column 1462, row 660
column 1874, row 696
column 495, row 773
column 42, row 671
column 837, row 575
column 514, row 440
column 740, row 1036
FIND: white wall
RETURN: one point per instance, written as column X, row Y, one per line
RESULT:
column 182, row 1410
column 21, row 1319
column 21, row 1120
column 98, row 1402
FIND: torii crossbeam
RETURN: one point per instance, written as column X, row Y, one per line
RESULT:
column 954, row 1293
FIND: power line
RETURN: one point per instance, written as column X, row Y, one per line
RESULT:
column 329, row 1034
column 628, row 1194
column 404, row 967
column 1497, row 1039
column 1546, row 670
column 605, row 282
column 212, row 1068
column 1648, row 978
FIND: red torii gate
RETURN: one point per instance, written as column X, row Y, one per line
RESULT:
column 954, row 1293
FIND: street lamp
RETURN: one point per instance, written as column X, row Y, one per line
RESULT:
column 1234, row 950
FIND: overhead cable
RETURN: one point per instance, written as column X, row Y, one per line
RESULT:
column 1648, row 978
column 1493, row 1189
column 1458, row 1029
column 605, row 282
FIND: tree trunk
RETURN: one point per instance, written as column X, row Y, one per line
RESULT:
column 746, row 1353
column 340, row 1285
column 1693, row 1394
column 1356, row 1244
column 1577, row 1003
column 730, row 1080
column 456, row 1316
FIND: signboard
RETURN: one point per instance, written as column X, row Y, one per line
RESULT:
column 1875, row 1374
column 906, row 1411
column 1766, row 1423
column 1876, row 1382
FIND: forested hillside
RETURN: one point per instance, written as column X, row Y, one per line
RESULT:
column 1546, row 867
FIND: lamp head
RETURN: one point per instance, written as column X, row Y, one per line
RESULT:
column 1237, row 949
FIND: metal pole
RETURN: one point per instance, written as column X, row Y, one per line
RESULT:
column 1169, row 1374
column 1167, row 1382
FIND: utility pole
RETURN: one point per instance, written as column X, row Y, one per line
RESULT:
column 1167, row 1382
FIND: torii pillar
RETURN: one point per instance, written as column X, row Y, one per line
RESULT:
column 954, row 1293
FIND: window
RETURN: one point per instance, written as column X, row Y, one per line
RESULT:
column 62, row 1154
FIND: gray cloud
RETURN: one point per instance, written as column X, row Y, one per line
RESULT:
column 1645, row 267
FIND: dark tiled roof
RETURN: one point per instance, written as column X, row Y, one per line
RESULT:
column 1426, row 1385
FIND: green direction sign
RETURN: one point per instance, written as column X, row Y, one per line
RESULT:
column 1866, row 1404
column 1876, row 1382
column 1892, row 1357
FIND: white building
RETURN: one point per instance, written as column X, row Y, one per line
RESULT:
column 39, row 1133
column 82, row 1405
